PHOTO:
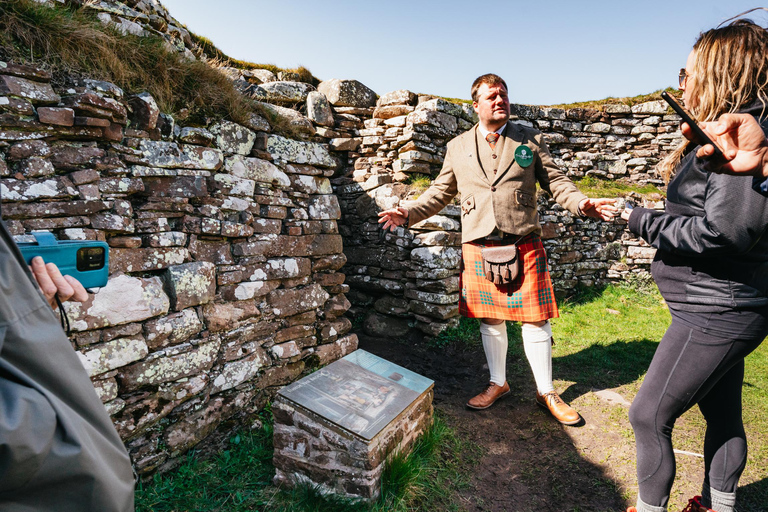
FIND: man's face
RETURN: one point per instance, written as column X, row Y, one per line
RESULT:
column 492, row 105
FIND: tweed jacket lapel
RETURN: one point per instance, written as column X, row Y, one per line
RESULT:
column 513, row 138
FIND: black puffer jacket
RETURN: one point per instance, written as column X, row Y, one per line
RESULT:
column 711, row 240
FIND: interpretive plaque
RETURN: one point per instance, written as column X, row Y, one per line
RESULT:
column 336, row 426
column 354, row 394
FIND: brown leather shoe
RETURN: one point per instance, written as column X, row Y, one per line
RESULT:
column 486, row 399
column 562, row 412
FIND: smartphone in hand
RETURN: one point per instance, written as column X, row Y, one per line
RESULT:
column 699, row 134
column 86, row 260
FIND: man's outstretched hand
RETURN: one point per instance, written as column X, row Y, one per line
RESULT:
column 743, row 143
column 598, row 208
column 393, row 218
column 52, row 283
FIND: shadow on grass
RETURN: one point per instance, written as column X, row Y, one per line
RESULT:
column 581, row 295
column 605, row 366
column 528, row 462
column 753, row 497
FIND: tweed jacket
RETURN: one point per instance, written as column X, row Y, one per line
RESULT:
column 505, row 200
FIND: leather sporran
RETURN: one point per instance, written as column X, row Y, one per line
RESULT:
column 501, row 264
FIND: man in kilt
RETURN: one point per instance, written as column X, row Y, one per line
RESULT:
column 494, row 167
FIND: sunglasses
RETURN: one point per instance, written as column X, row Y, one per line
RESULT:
column 682, row 77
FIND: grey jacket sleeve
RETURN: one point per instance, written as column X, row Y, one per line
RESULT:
column 732, row 220
column 60, row 450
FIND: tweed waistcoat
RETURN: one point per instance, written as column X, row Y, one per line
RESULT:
column 485, row 154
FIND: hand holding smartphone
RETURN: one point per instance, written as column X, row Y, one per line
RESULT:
column 86, row 260
column 717, row 158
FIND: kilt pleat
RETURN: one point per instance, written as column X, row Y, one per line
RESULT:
column 529, row 298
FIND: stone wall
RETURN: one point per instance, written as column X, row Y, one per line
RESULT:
column 409, row 279
column 224, row 253
column 233, row 248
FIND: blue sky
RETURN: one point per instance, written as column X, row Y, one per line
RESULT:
column 548, row 52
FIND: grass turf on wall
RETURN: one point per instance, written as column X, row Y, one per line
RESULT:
column 70, row 41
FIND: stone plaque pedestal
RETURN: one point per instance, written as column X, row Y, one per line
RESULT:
column 336, row 427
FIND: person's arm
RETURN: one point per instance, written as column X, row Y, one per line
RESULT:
column 434, row 199
column 742, row 140
column 734, row 218
column 52, row 283
column 553, row 180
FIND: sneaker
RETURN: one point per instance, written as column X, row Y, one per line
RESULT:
column 694, row 505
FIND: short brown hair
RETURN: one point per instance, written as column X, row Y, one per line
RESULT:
column 488, row 78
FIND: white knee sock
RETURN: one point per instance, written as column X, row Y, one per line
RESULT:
column 495, row 344
column 537, row 342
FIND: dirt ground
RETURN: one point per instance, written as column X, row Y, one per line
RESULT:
column 529, row 461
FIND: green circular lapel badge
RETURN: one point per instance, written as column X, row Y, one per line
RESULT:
column 523, row 156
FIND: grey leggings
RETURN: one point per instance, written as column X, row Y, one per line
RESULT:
column 700, row 360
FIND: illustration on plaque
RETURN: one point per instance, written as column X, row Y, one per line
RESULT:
column 356, row 398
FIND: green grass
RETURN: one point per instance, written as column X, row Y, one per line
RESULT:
column 466, row 334
column 72, row 42
column 418, row 183
column 603, row 336
column 239, row 479
column 753, row 492
column 595, row 104
column 454, row 100
column 596, row 187
column 210, row 50
column 607, row 337
column 629, row 100
column 236, row 479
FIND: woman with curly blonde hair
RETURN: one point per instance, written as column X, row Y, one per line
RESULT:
column 711, row 267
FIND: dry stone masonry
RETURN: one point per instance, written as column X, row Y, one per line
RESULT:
column 224, row 259
column 409, row 278
column 238, row 255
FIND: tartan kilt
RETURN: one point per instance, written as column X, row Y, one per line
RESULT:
column 529, row 298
